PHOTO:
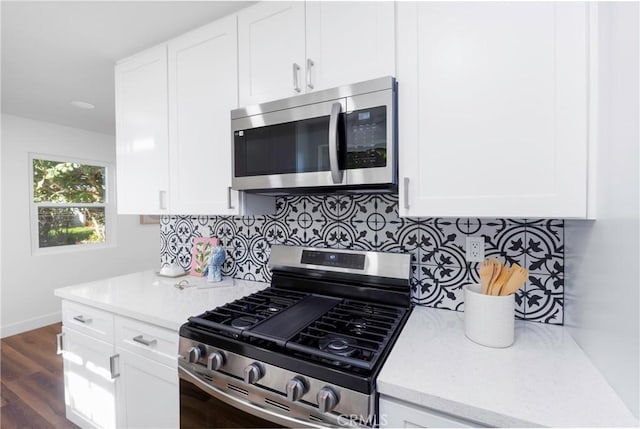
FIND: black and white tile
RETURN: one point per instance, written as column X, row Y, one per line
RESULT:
column 371, row 222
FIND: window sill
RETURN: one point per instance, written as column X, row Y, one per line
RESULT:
column 72, row 248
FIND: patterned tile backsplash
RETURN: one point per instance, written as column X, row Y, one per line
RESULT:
column 371, row 222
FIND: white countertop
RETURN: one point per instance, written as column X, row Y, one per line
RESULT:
column 151, row 298
column 543, row 379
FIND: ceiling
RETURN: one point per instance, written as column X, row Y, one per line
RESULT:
column 56, row 52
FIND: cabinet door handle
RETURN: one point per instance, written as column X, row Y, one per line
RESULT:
column 229, row 206
column 112, row 366
column 162, row 196
column 406, row 193
column 59, row 346
column 310, row 64
column 140, row 339
column 82, row 319
column 296, row 71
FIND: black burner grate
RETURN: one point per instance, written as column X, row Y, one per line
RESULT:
column 351, row 334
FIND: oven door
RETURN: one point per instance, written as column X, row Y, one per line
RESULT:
column 204, row 404
column 290, row 148
column 200, row 409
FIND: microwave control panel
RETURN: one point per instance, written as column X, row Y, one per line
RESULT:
column 366, row 136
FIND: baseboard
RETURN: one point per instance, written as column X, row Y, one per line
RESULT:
column 30, row 324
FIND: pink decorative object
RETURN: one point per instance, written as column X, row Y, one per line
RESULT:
column 200, row 254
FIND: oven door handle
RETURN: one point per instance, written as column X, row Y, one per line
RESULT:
column 336, row 173
column 246, row 406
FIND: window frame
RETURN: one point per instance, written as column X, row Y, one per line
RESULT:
column 108, row 204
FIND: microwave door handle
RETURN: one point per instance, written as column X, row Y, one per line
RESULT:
column 336, row 173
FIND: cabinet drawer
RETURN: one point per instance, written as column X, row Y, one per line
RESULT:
column 153, row 342
column 395, row 413
column 88, row 320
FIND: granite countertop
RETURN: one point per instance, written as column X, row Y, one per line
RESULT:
column 543, row 379
column 148, row 297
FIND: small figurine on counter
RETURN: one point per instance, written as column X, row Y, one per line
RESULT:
column 214, row 269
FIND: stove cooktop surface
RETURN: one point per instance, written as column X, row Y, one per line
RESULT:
column 346, row 334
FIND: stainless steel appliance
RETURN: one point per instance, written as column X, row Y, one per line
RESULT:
column 337, row 139
column 304, row 352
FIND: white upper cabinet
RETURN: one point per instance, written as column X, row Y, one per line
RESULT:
column 203, row 82
column 141, row 133
column 349, row 42
column 173, row 127
column 271, row 51
column 493, row 102
column 289, row 48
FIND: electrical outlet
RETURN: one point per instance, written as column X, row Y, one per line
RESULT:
column 475, row 249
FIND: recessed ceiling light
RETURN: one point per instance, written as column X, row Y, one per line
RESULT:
column 82, row 105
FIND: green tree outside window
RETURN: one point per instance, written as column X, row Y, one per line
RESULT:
column 70, row 201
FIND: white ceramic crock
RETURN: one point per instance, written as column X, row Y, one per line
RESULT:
column 488, row 319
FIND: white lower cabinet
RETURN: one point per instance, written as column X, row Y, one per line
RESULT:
column 89, row 383
column 399, row 414
column 128, row 380
column 148, row 390
column 147, row 394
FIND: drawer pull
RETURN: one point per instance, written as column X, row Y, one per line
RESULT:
column 59, row 348
column 140, row 339
column 112, row 366
column 310, row 64
column 406, row 193
column 82, row 319
column 296, row 85
column 162, row 195
column 229, row 205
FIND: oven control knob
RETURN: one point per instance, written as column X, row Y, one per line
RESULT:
column 296, row 388
column 327, row 399
column 194, row 353
column 252, row 373
column 215, row 361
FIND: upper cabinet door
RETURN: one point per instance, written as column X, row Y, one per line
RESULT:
column 271, row 51
column 141, row 133
column 203, row 84
column 349, row 42
column 493, row 109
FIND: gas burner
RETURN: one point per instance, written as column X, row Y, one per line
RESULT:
column 244, row 322
column 357, row 326
column 340, row 346
column 274, row 308
column 271, row 309
column 369, row 309
column 245, row 307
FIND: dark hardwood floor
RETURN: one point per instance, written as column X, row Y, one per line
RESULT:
column 32, row 386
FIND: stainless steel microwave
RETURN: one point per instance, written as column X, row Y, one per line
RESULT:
column 338, row 139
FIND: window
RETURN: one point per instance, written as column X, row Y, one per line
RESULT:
column 70, row 203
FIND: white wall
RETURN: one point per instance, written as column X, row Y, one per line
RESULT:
column 28, row 281
column 602, row 257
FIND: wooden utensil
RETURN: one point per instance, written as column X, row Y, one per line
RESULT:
column 502, row 275
column 515, row 282
column 486, row 273
column 497, row 268
column 505, row 280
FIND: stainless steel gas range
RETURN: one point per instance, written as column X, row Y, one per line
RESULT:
column 304, row 352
